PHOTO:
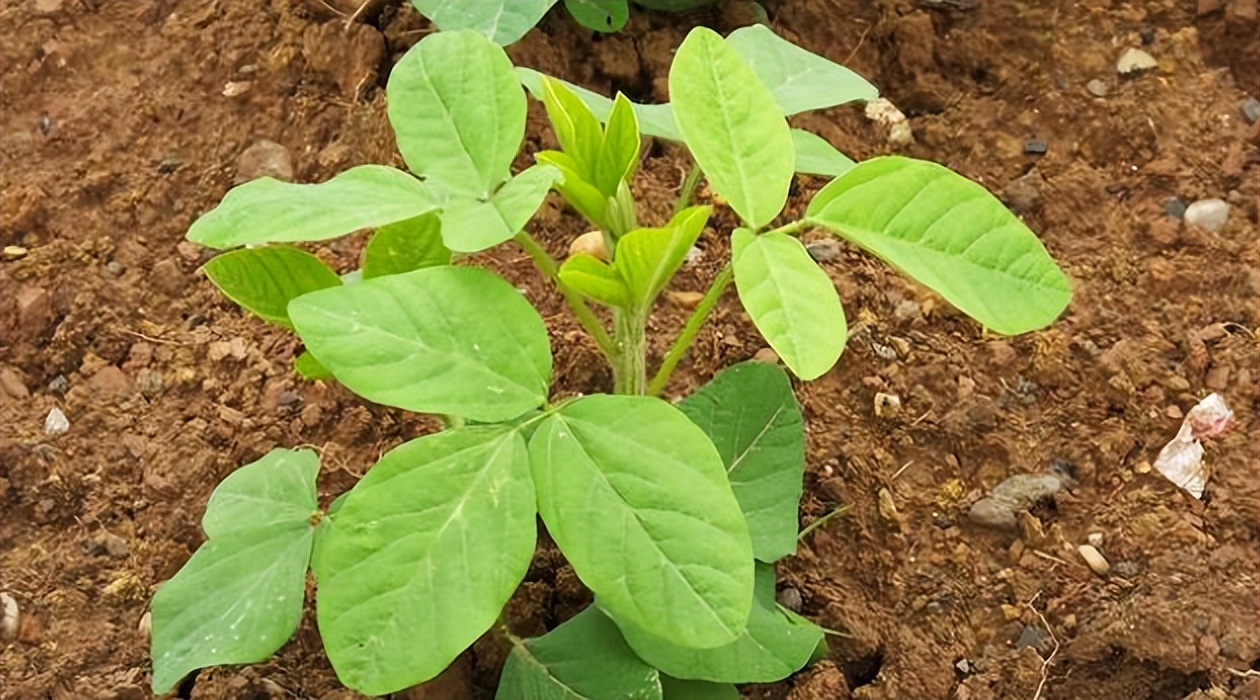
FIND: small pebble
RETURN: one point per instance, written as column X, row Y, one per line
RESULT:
column 1032, row 636
column 693, row 256
column 9, row 617
column 115, row 268
column 59, row 385
column 767, row 355
column 963, row 666
column 590, row 243
column 14, row 252
column 1097, row 88
column 1095, row 539
column 264, row 158
column 56, row 423
column 1134, row 61
column 907, row 310
column 1174, row 207
column 236, row 88
column 1208, row 214
column 825, row 250
column 1147, row 35
column 1036, row 147
column 145, row 626
column 887, row 405
column 1094, row 558
column 1250, row 109
column 687, row 300
column 1126, row 569
column 790, row 598
column 150, row 382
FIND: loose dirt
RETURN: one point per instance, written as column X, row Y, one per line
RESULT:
column 123, row 121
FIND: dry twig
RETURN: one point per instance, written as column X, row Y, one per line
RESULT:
column 1045, row 663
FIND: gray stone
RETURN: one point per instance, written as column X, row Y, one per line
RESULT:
column 1032, row 636
column 1175, row 208
column 1208, row 214
column 264, row 159
column 1020, row 492
column 1023, row 194
column 825, row 250
column 1250, row 109
column 1135, row 61
column 1098, row 88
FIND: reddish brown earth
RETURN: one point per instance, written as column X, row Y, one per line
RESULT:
column 117, row 134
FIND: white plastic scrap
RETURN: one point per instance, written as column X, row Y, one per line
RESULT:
column 56, row 423
column 1181, row 460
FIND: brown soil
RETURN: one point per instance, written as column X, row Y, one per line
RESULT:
column 117, row 134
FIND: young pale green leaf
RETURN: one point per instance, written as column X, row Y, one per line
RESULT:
column 239, row 598
column 798, row 79
column 277, row 490
column 776, row 644
column 502, row 21
column 792, row 302
column 654, row 120
column 308, row 367
column 423, row 554
column 580, row 194
column 265, row 280
column 475, row 226
column 731, row 124
column 619, row 150
column 600, row 15
column 815, row 156
column 577, row 129
column 596, row 279
column 458, row 113
column 270, row 211
column 679, row 689
column 949, row 234
column 583, row 659
column 637, row 499
column 405, row 246
column 648, row 257
column 751, row 415
column 452, row 340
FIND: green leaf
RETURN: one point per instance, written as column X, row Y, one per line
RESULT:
column 619, row 148
column 654, row 120
column 458, row 112
column 949, row 234
column 580, row 194
column 596, row 279
column 815, row 156
column 308, row 367
column 751, row 415
column 673, row 5
column 776, row 644
column 239, row 598
column 452, row 340
column 678, row 689
column 600, row 15
column 270, row 211
column 583, row 659
column 732, row 126
column 577, row 129
column 475, row 226
column 791, row 301
column 265, row 280
column 502, row 21
column 423, row 554
column 798, row 79
column 637, row 499
column 405, row 246
column 647, row 258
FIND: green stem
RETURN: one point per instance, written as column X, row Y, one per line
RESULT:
column 548, row 266
column 630, row 365
column 822, row 521
column 690, row 329
column 688, row 188
column 792, row 228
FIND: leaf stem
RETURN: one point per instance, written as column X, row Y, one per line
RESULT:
column 822, row 521
column 548, row 266
column 791, row 228
column 688, row 188
column 690, row 329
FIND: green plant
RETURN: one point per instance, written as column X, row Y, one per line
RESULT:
column 671, row 515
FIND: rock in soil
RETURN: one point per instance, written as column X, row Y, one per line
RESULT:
column 56, row 423
column 1134, row 61
column 264, row 159
column 9, row 617
column 1208, row 214
column 1250, row 109
column 823, row 251
column 1094, row 558
column 1020, row 492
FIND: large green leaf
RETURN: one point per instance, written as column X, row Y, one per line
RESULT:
column 596, row 279
column 751, row 415
column 265, row 280
column 815, row 156
column 798, row 79
column 732, row 126
column 582, row 659
column 600, row 15
column 637, row 499
column 502, row 21
column 776, row 644
column 469, row 227
column 239, row 598
column 576, row 127
column 451, row 340
column 308, row 367
column 951, row 235
column 405, row 246
column 270, row 211
column 580, row 194
column 792, row 302
column 423, row 554
column 679, row 689
column 458, row 112
column 648, row 257
column 654, row 120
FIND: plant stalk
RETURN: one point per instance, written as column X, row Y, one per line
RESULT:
column 630, row 365
column 791, row 228
column 690, row 329
column 688, row 189
column 548, row 266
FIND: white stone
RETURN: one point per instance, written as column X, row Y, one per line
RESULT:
column 1208, row 214
column 1135, row 61
column 1095, row 559
column 56, row 423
